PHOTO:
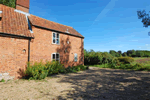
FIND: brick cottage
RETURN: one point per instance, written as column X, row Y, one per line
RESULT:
column 25, row 37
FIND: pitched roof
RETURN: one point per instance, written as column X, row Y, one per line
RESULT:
column 37, row 21
column 15, row 23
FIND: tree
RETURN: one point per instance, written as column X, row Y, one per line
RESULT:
column 10, row 3
column 145, row 17
column 124, row 54
column 112, row 52
column 129, row 52
column 133, row 53
column 119, row 52
column 139, row 53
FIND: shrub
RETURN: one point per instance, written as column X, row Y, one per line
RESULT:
column 36, row 71
column 126, row 60
column 54, row 67
column 41, row 70
column 75, row 68
column 115, row 63
column 139, row 66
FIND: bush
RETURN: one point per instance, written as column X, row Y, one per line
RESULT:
column 36, row 71
column 54, row 67
column 115, row 63
column 75, row 68
column 126, row 60
column 106, row 58
column 40, row 70
column 139, row 66
column 94, row 58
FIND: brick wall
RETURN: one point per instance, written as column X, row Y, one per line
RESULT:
column 12, row 56
column 42, row 47
column 14, row 51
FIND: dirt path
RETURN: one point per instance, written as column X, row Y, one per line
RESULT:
column 93, row 84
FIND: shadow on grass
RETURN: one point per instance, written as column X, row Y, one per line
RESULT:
column 107, row 84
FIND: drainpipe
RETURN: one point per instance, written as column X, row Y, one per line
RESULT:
column 29, row 50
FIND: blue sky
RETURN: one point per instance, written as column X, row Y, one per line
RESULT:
column 105, row 24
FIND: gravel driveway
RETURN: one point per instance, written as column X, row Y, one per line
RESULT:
column 93, row 84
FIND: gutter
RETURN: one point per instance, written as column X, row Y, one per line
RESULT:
column 29, row 50
column 17, row 36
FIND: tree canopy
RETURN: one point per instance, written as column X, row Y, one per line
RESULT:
column 145, row 17
column 10, row 3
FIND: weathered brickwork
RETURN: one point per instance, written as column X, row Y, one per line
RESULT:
column 42, row 47
column 14, row 51
column 13, row 57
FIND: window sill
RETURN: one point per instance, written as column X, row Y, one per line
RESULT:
column 55, row 44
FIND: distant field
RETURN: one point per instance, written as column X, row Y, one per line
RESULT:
column 138, row 58
column 143, row 60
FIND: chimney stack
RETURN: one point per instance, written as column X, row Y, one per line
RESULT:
column 22, row 5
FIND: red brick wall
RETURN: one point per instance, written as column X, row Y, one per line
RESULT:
column 42, row 47
column 12, row 57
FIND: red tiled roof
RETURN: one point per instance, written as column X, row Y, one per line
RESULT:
column 53, row 25
column 14, row 23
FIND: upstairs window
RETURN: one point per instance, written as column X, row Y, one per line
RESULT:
column 75, row 57
column 55, row 57
column 55, row 38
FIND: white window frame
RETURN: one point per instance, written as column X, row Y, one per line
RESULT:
column 74, row 57
column 55, row 38
column 55, row 57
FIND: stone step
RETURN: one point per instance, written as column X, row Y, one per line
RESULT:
column 6, row 76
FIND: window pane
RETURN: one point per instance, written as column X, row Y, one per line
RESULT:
column 54, row 41
column 57, row 35
column 53, row 35
column 75, row 57
column 53, row 56
column 57, row 41
column 57, row 55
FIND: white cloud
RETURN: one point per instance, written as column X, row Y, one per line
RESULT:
column 108, row 7
column 146, row 44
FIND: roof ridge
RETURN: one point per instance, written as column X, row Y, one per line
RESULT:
column 52, row 21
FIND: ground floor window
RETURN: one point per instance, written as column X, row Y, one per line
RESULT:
column 55, row 56
column 75, row 57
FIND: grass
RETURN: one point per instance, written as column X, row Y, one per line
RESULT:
column 138, row 58
column 100, row 66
